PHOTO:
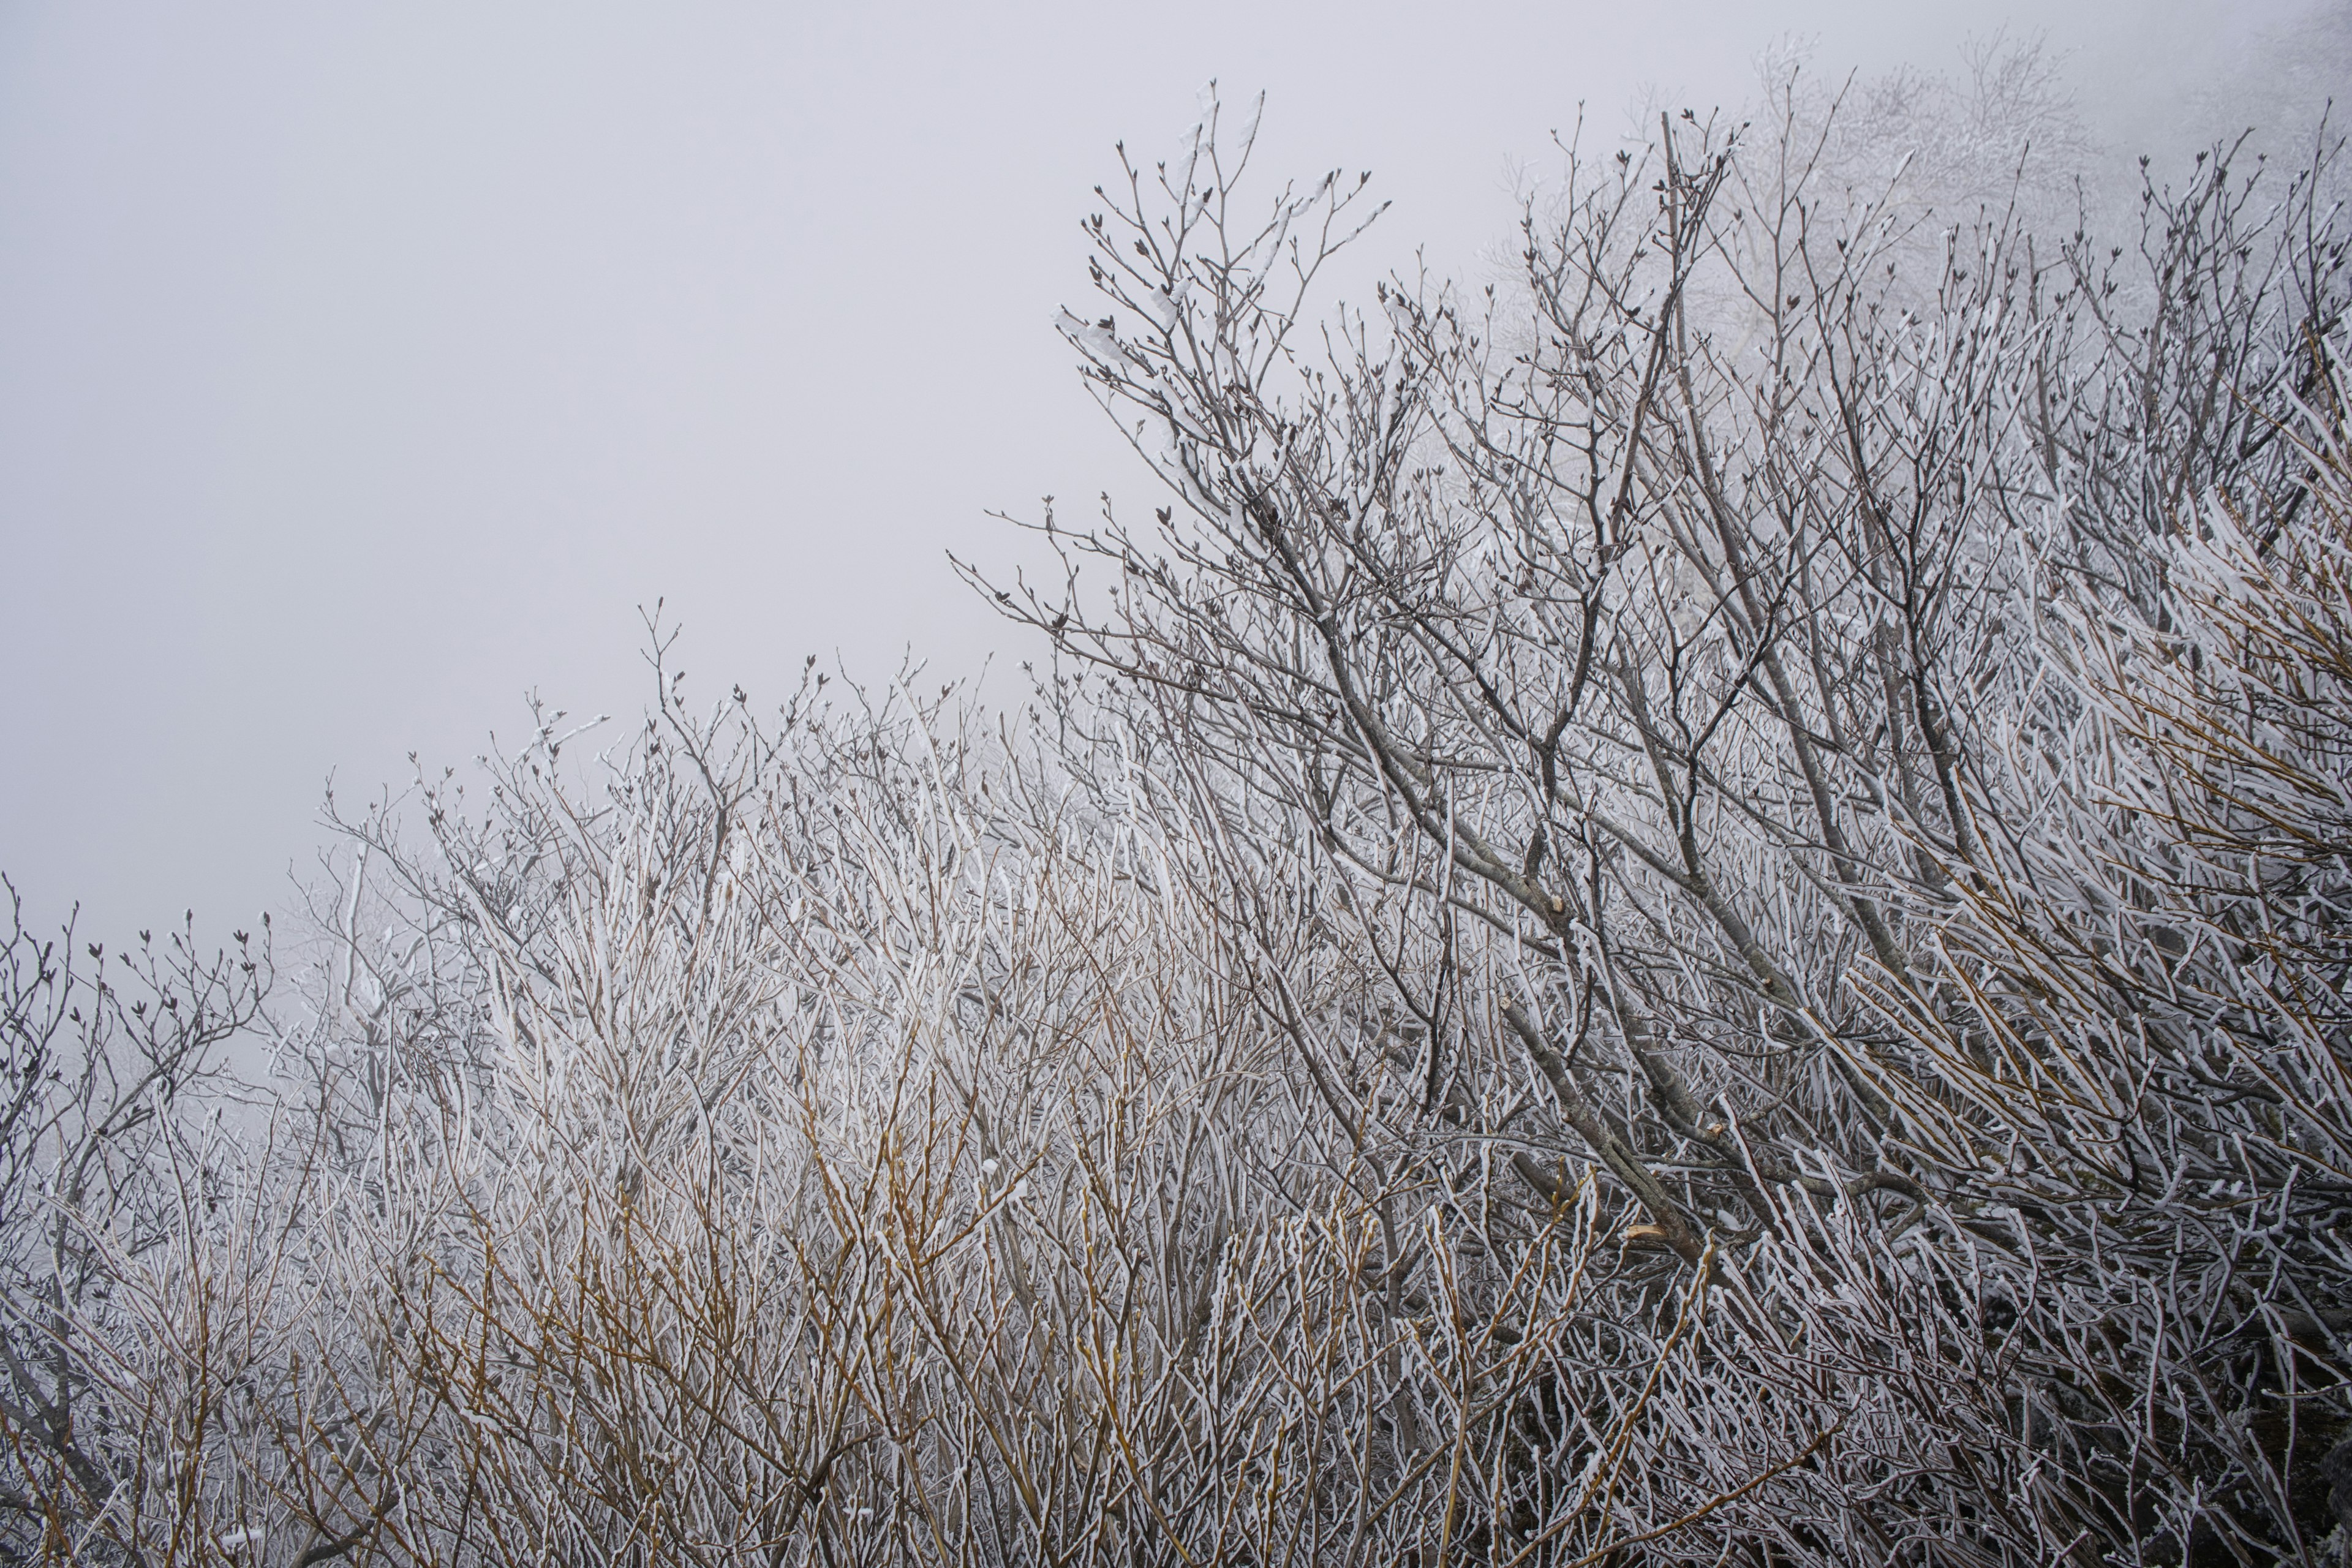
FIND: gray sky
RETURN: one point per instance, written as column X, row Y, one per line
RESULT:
column 363, row 366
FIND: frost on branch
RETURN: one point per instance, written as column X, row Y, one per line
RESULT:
column 1692, row 909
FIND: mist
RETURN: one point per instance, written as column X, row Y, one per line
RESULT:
column 362, row 369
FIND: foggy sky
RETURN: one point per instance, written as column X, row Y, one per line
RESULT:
column 364, row 366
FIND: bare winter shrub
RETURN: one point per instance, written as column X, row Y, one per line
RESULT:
column 866, row 1142
column 1691, row 911
column 1700, row 734
column 135, row 1291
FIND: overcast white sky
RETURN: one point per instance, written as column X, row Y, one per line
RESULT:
column 363, row 365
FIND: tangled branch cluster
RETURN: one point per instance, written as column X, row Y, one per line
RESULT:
column 1692, row 909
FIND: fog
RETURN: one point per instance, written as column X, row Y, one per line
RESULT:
column 362, row 368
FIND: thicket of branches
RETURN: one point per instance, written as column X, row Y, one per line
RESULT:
column 1692, row 907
